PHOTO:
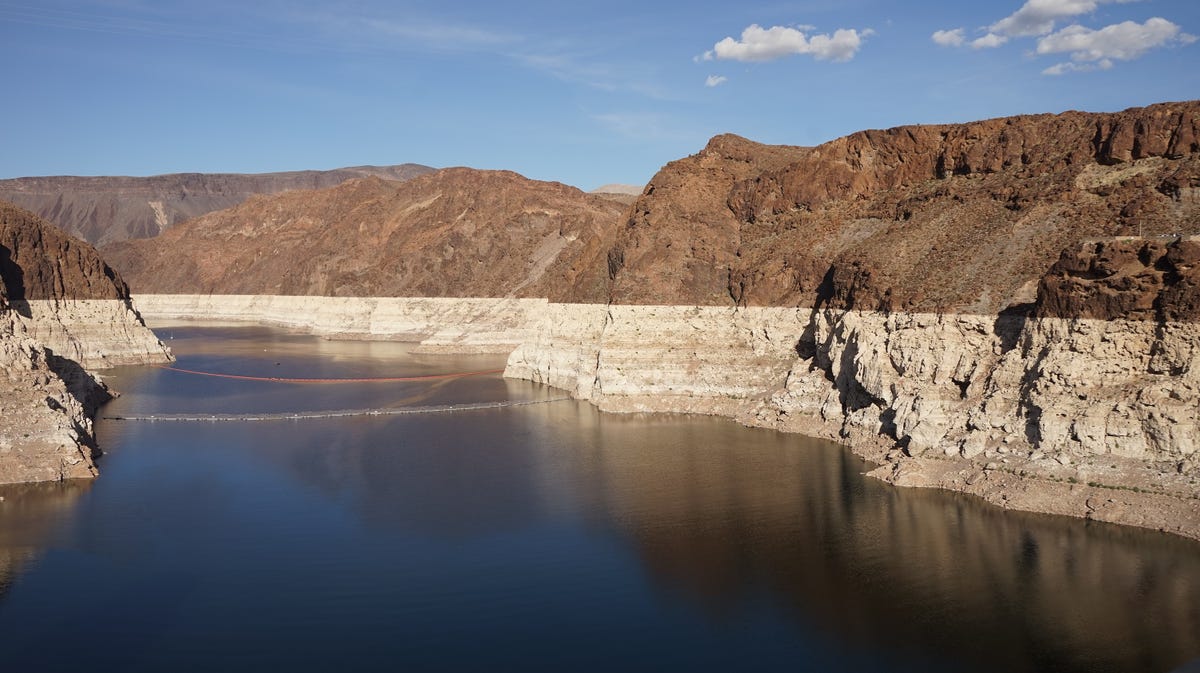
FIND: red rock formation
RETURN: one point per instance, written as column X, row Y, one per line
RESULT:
column 47, row 397
column 454, row 233
column 37, row 261
column 681, row 241
column 956, row 217
column 953, row 218
column 108, row 209
column 1125, row 279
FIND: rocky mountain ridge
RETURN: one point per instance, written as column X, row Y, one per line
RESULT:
column 960, row 218
column 103, row 209
column 963, row 218
column 457, row 232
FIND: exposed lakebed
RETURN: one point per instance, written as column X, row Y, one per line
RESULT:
column 539, row 537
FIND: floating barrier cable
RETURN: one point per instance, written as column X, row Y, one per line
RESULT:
column 304, row 415
column 376, row 379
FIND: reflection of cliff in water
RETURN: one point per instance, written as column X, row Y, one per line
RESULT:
column 732, row 520
column 442, row 476
column 788, row 520
column 29, row 513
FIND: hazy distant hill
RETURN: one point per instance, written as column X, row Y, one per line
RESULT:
column 106, row 209
column 626, row 194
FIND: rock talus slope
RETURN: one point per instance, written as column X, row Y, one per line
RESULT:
column 476, row 325
column 62, row 311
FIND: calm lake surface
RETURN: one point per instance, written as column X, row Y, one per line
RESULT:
column 549, row 537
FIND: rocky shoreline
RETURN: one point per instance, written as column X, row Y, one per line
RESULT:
column 1044, row 414
column 63, row 314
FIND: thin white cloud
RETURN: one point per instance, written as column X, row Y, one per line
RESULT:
column 989, row 41
column 1123, row 41
column 715, row 80
column 768, row 44
column 438, row 36
column 639, row 126
column 1064, row 68
column 601, row 75
column 949, row 38
column 1038, row 17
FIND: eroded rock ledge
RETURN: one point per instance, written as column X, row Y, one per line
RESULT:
column 63, row 312
column 1079, row 416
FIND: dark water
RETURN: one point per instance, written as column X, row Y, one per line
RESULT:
column 538, row 538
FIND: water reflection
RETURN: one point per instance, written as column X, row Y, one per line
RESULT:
column 723, row 522
column 725, row 519
column 559, row 526
column 29, row 516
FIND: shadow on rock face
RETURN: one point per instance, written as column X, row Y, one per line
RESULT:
column 82, row 384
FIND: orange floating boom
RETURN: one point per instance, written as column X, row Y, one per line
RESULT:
column 381, row 379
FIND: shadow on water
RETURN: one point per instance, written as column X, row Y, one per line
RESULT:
column 725, row 519
column 556, row 537
column 888, row 569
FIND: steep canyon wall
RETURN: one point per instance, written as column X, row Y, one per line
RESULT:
column 1072, row 416
column 976, row 306
column 952, row 400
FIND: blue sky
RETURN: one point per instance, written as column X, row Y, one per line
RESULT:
column 582, row 93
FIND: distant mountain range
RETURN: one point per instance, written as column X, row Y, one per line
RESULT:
column 108, row 209
column 456, row 232
column 633, row 190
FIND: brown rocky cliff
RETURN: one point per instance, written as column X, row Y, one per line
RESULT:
column 47, row 397
column 943, row 218
column 454, row 233
column 680, row 239
column 1128, row 279
column 959, row 218
column 37, row 261
column 108, row 209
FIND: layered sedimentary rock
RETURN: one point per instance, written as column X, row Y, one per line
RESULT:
column 966, row 402
column 69, row 299
column 704, row 359
column 45, row 420
column 478, row 325
column 96, row 333
column 108, row 209
column 978, row 404
column 62, row 311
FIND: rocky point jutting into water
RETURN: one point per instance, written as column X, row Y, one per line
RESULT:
column 63, row 311
column 1005, row 307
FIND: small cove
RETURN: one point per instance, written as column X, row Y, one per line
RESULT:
column 539, row 537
